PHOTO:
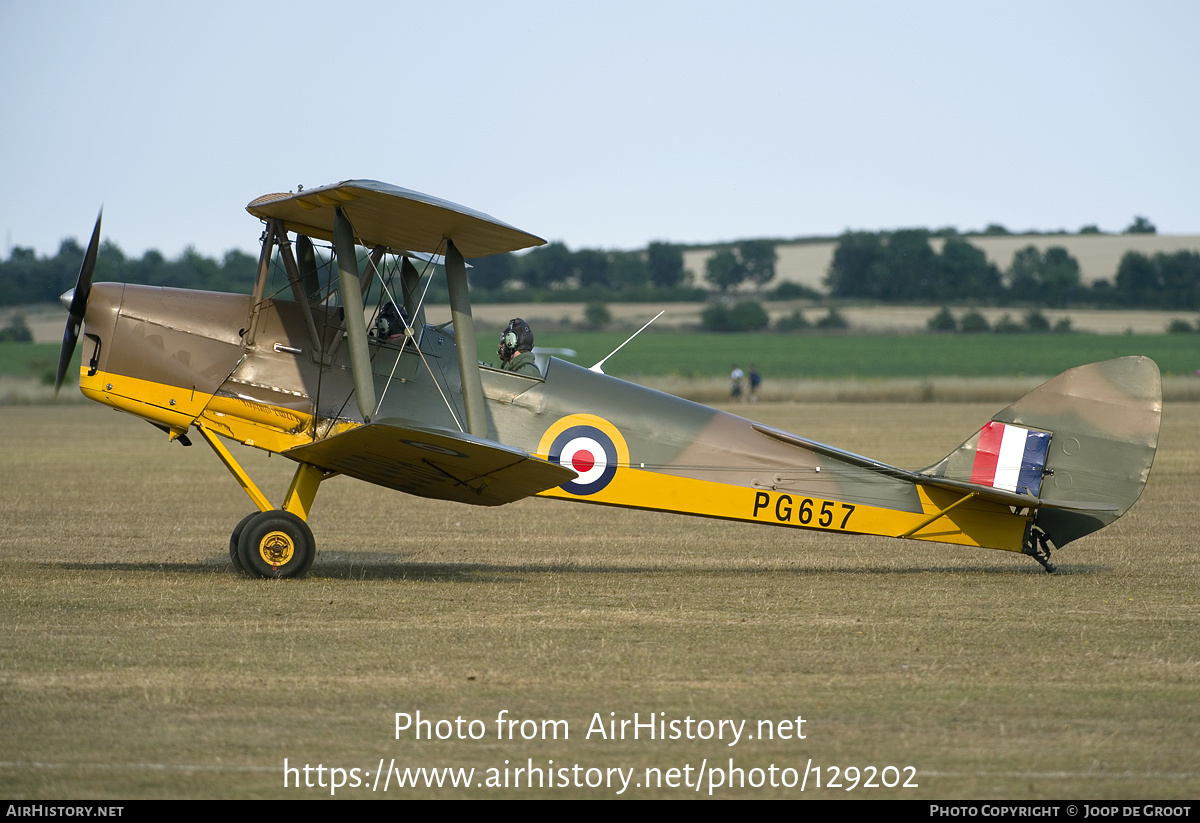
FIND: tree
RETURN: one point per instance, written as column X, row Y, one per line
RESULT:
column 1179, row 274
column 492, row 272
column 628, row 269
column 1052, row 278
column 833, row 321
column 63, row 269
column 1141, row 225
column 238, row 271
column 546, row 265
column 854, row 268
column 795, row 321
column 597, row 315
column 591, row 267
column 1060, row 276
column 758, row 258
column 19, row 280
column 666, row 264
column 974, row 323
column 1138, row 281
column 1006, row 325
column 964, row 273
column 724, row 270
column 17, row 330
column 749, row 315
column 1035, row 321
column 910, row 264
column 943, row 321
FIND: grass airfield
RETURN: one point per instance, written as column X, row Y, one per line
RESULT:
column 134, row 662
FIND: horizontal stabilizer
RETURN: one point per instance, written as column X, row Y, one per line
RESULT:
column 981, row 491
column 435, row 463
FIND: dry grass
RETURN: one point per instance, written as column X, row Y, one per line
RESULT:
column 134, row 663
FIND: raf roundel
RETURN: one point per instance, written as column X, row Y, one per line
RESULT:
column 588, row 451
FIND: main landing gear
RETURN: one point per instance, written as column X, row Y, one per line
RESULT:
column 273, row 543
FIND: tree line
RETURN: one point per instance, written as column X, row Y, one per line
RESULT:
column 897, row 266
column 26, row 278
column 902, row 266
column 556, row 272
column 655, row 273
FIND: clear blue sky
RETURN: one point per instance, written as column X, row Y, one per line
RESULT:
column 606, row 124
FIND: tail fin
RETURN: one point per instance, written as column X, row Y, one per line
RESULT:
column 1082, row 443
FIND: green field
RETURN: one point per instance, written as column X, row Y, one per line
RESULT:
column 838, row 356
column 134, row 663
column 22, row 359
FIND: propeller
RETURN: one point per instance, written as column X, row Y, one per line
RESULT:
column 77, row 309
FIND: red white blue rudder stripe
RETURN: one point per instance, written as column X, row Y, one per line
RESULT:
column 1011, row 458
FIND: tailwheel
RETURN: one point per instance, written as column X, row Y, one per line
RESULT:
column 275, row 544
column 1038, row 546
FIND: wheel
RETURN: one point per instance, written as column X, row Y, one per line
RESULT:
column 236, row 537
column 276, row 544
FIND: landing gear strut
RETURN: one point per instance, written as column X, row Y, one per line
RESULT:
column 271, row 542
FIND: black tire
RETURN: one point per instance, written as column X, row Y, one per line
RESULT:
column 235, row 538
column 276, row 544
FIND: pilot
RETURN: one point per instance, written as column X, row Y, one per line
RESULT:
column 516, row 349
column 391, row 322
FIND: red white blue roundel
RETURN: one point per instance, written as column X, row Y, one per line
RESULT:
column 588, row 451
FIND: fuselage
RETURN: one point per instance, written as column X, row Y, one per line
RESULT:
column 184, row 358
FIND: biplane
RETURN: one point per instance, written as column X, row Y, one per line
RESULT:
column 299, row 368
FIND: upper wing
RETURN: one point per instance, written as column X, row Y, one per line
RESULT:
column 396, row 218
column 433, row 463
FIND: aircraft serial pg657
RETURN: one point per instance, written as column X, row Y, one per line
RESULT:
column 295, row 371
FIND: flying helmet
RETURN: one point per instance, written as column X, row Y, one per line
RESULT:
column 517, row 337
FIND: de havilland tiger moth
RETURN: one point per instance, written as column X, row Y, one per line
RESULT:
column 299, row 368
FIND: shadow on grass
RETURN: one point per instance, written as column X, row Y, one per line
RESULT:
column 382, row 566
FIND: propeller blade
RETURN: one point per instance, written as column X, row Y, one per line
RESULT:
column 78, row 308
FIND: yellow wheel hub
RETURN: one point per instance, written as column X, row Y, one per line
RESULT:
column 276, row 549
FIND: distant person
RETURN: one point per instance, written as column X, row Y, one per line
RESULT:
column 516, row 349
column 735, row 383
column 755, row 383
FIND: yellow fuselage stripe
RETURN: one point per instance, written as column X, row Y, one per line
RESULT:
column 986, row 525
column 253, row 424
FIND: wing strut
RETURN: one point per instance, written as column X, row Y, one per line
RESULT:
column 352, row 306
column 308, row 268
column 296, row 279
column 410, row 280
column 464, row 337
